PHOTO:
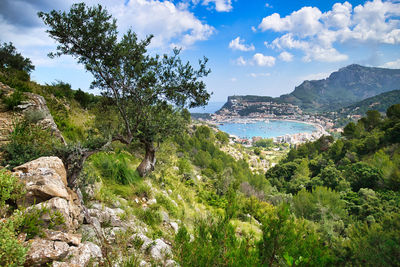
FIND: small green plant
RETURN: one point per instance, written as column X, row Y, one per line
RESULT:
column 34, row 116
column 10, row 189
column 14, row 99
column 12, row 251
column 27, row 142
column 33, row 225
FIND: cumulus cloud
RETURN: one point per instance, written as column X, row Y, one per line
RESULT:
column 220, row 5
column 257, row 60
column 286, row 56
column 172, row 25
column 316, row 33
column 262, row 60
column 238, row 44
column 392, row 64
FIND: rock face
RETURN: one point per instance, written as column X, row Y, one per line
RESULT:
column 33, row 103
column 46, row 186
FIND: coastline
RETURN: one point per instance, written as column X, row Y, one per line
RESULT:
column 296, row 138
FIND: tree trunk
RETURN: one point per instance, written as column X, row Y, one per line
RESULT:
column 149, row 161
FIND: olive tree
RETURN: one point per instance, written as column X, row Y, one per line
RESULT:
column 148, row 91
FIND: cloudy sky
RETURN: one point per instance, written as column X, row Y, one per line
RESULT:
column 262, row 47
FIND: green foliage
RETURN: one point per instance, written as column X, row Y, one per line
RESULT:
column 32, row 223
column 286, row 239
column 266, row 143
column 11, row 59
column 11, row 189
column 377, row 244
column 215, row 244
column 13, row 100
column 115, row 166
column 12, row 251
column 222, row 137
column 148, row 91
column 322, row 203
column 28, row 142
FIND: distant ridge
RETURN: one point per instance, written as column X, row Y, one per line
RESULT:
column 342, row 88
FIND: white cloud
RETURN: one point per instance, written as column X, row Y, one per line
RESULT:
column 240, row 61
column 262, row 60
column 234, row 79
column 286, row 56
column 304, row 22
column 220, row 5
column 268, row 5
column 256, row 75
column 238, row 44
column 171, row 25
column 316, row 33
column 392, row 64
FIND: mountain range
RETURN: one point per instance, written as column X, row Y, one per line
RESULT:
column 342, row 88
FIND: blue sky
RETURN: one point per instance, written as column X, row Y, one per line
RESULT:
column 254, row 47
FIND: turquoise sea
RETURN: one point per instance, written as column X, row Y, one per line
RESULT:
column 268, row 129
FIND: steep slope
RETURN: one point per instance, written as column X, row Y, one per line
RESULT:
column 380, row 103
column 344, row 87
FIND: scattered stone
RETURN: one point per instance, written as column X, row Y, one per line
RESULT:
column 152, row 201
column 164, row 216
column 82, row 255
column 174, row 226
column 70, row 239
column 43, row 251
column 179, row 197
column 160, row 250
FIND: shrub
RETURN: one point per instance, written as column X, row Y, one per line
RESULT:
column 28, row 142
column 12, row 251
column 10, row 189
column 33, row 225
column 215, row 244
column 13, row 100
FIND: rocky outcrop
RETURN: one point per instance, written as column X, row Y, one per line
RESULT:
column 32, row 104
column 46, row 188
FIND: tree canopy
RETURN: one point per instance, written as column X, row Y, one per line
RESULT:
column 10, row 58
column 148, row 92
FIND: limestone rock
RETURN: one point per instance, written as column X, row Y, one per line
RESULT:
column 160, row 250
column 45, row 162
column 43, row 251
column 69, row 238
column 174, row 226
column 71, row 213
column 82, row 255
column 44, row 178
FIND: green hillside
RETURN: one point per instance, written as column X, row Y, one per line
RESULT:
column 344, row 87
column 202, row 200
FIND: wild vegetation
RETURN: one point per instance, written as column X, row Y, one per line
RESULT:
column 327, row 203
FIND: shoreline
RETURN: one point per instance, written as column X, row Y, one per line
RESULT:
column 299, row 137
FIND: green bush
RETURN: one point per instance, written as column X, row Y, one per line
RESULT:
column 29, row 142
column 215, row 244
column 10, row 188
column 12, row 251
column 13, row 100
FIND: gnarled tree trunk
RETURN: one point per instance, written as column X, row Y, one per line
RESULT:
column 149, row 161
